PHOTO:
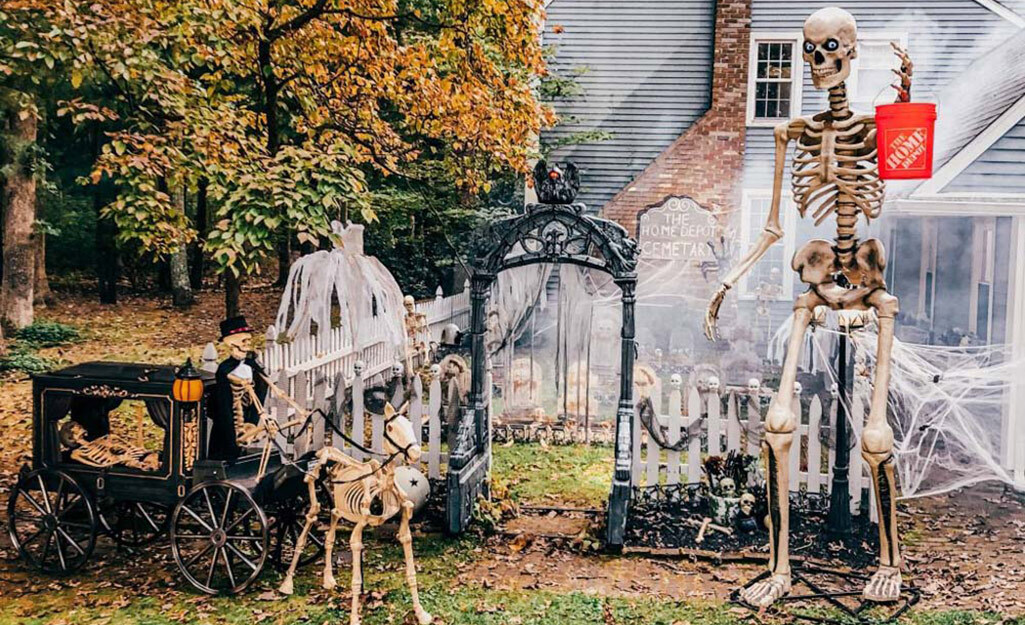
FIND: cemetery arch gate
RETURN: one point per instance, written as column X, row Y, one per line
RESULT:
column 544, row 233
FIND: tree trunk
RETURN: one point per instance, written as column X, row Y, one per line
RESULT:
column 196, row 260
column 232, row 293
column 19, row 256
column 271, row 88
column 181, row 288
column 43, row 294
column 284, row 259
column 107, row 269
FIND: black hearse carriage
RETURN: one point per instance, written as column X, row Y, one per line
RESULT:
column 223, row 523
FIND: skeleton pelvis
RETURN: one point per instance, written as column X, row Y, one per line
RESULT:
column 843, row 281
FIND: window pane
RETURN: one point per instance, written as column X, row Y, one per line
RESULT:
column 773, row 74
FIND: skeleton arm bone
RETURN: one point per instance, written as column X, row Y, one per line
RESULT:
column 784, row 133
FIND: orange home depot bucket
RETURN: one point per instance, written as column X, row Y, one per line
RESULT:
column 905, row 135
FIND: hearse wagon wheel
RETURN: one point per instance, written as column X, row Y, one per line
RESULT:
column 219, row 538
column 52, row 521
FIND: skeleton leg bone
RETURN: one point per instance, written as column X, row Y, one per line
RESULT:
column 329, row 544
column 406, row 539
column 356, row 545
column 877, row 450
column 779, row 434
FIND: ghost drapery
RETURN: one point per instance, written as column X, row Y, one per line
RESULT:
column 343, row 287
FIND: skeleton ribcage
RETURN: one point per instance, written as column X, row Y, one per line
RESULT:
column 835, row 171
column 240, row 400
column 349, row 495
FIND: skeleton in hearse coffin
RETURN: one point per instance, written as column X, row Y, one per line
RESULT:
column 834, row 172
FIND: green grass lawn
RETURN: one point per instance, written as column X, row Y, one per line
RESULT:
column 572, row 475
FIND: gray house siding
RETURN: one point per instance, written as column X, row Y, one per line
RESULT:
column 1000, row 169
column 648, row 78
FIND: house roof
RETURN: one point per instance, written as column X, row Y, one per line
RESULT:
column 977, row 107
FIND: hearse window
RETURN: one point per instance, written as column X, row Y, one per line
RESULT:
column 109, row 431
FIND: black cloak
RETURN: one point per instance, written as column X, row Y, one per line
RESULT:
column 223, row 438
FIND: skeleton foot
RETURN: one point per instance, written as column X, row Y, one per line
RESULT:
column 424, row 618
column 329, row 581
column 766, row 592
column 884, row 585
column 286, row 586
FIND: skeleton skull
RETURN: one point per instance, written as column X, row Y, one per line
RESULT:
column 435, row 370
column 753, row 385
column 358, row 367
column 676, row 380
column 830, row 44
column 72, row 434
column 727, row 487
column 797, row 389
column 713, row 384
column 747, row 504
column 397, row 369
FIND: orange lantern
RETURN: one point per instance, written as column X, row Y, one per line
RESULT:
column 188, row 384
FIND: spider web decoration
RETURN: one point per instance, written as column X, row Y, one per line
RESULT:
column 946, row 406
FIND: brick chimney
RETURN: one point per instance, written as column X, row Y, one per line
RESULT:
column 706, row 162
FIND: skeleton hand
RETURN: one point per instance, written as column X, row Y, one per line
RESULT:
column 712, row 314
column 904, row 73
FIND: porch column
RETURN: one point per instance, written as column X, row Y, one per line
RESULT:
column 1014, row 447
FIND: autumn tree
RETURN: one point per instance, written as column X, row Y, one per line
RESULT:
column 280, row 112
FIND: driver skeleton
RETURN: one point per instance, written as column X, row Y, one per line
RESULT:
column 834, row 172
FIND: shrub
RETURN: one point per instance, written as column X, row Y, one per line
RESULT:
column 47, row 334
column 26, row 362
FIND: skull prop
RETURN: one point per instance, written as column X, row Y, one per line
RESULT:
column 753, row 386
column 727, row 487
column 397, row 370
column 830, row 44
column 747, row 504
column 676, row 380
column 713, row 384
column 435, row 370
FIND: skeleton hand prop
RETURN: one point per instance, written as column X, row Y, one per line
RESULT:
column 712, row 314
column 904, row 74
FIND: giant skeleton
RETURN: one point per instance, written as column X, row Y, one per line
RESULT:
column 834, row 172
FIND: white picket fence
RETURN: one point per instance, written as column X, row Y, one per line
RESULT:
column 732, row 421
column 316, row 373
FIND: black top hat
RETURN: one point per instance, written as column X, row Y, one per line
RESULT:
column 234, row 325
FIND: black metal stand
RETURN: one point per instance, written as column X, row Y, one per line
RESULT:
column 839, row 519
column 854, row 609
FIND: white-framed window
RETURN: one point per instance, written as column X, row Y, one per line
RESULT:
column 872, row 72
column 927, row 281
column 980, row 314
column 775, row 71
column 755, row 212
